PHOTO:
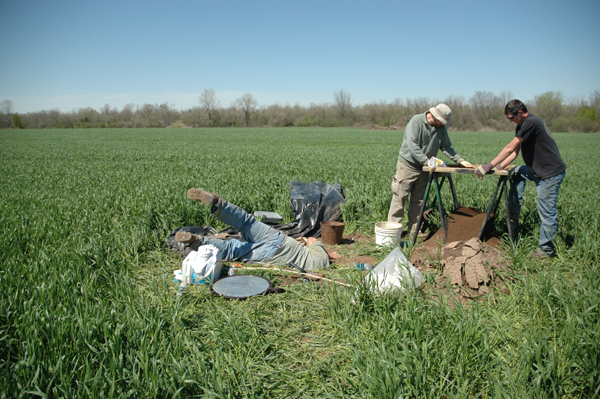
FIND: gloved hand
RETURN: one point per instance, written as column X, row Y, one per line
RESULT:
column 483, row 169
column 465, row 164
column 434, row 163
column 499, row 167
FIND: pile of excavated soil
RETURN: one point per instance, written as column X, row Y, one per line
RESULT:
column 470, row 267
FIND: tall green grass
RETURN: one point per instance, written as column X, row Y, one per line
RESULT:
column 88, row 306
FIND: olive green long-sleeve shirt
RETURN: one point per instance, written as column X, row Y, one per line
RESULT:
column 423, row 141
column 308, row 258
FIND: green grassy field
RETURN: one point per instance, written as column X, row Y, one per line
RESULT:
column 88, row 305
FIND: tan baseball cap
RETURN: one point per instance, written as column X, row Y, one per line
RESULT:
column 442, row 113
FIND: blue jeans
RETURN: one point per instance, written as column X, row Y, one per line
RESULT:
column 547, row 196
column 262, row 241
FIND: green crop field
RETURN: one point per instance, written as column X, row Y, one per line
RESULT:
column 88, row 306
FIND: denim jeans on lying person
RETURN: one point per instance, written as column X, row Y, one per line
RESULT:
column 262, row 240
column 547, row 196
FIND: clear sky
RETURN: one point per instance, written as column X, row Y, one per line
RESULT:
column 81, row 53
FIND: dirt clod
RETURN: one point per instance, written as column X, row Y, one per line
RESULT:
column 469, row 264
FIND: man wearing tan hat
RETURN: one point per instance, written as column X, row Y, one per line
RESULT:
column 424, row 136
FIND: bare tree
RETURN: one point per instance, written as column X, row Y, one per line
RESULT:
column 460, row 115
column 6, row 110
column 373, row 111
column 55, row 115
column 487, row 108
column 88, row 117
column 418, row 105
column 127, row 112
column 208, row 101
column 595, row 100
column 248, row 104
column 343, row 101
column 147, row 110
column 6, row 107
column 316, row 114
column 108, row 116
column 149, row 115
column 506, row 96
column 549, row 105
column 168, row 113
column 195, row 117
column 575, row 103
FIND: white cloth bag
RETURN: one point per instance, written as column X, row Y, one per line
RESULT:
column 200, row 267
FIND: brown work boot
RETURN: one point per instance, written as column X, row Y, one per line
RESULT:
column 197, row 194
column 185, row 237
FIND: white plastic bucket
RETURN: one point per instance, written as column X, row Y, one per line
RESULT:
column 387, row 233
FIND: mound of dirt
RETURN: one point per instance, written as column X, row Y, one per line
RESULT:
column 469, row 266
column 472, row 268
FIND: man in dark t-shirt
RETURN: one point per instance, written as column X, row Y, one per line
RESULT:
column 543, row 166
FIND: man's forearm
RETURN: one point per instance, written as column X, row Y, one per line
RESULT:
column 504, row 154
column 511, row 150
column 509, row 159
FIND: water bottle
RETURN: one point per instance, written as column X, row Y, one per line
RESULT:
column 186, row 277
column 363, row 266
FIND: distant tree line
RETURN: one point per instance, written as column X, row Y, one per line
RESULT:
column 484, row 111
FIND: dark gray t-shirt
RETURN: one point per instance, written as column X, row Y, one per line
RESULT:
column 539, row 149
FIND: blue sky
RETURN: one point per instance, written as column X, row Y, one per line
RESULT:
column 76, row 54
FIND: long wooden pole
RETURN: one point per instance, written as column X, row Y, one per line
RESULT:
column 296, row 272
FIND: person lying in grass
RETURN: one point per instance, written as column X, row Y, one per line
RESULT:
column 264, row 244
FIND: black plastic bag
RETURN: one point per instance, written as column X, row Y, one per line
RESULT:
column 312, row 203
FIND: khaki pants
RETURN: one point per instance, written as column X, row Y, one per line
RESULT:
column 407, row 181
